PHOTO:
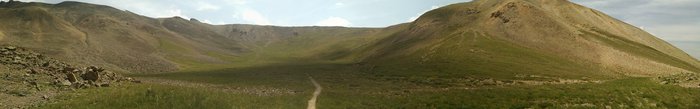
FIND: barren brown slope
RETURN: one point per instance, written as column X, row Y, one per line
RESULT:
column 86, row 33
column 502, row 38
column 554, row 37
column 96, row 34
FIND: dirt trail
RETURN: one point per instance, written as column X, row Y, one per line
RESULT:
column 312, row 101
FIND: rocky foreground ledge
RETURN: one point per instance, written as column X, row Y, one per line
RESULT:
column 28, row 78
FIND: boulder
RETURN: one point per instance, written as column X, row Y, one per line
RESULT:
column 489, row 82
column 32, row 71
column 45, row 64
column 91, row 75
column 34, row 67
column 71, row 77
column 11, row 48
column 65, row 83
column 96, row 69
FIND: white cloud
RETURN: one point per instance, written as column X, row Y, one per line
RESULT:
column 217, row 23
column 204, row 6
column 236, row 2
column 334, row 21
column 171, row 13
column 339, row 4
column 207, row 21
column 253, row 16
column 411, row 19
column 220, row 23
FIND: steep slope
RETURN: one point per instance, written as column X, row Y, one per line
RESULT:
column 503, row 38
column 96, row 34
column 307, row 43
column 494, row 38
column 83, row 33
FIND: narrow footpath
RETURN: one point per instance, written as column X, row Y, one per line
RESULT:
column 312, row 101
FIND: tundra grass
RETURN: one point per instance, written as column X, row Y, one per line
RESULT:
column 345, row 87
column 623, row 93
column 476, row 55
column 636, row 48
column 153, row 96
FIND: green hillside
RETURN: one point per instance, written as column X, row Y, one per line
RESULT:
column 479, row 54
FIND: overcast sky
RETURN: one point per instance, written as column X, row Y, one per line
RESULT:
column 676, row 21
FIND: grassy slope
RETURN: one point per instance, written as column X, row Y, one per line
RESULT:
column 474, row 54
column 152, row 96
column 344, row 87
column 347, row 86
column 411, row 80
column 638, row 49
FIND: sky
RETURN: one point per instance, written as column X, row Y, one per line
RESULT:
column 676, row 21
column 353, row 13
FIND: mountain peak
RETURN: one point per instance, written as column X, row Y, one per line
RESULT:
column 559, row 27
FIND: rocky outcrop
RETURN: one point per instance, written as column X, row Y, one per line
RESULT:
column 38, row 67
column 28, row 79
column 690, row 80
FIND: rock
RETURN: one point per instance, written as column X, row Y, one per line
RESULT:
column 194, row 20
column 31, row 71
column 11, row 48
column 65, row 83
column 91, row 75
column 45, row 64
column 34, row 67
column 71, row 77
column 96, row 69
column 105, row 85
column 488, row 82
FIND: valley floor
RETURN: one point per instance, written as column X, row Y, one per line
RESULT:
column 288, row 86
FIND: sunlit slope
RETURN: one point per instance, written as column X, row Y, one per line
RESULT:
column 499, row 38
column 504, row 38
column 102, row 35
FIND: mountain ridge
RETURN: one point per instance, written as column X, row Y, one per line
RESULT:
column 542, row 26
column 170, row 44
column 478, row 54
